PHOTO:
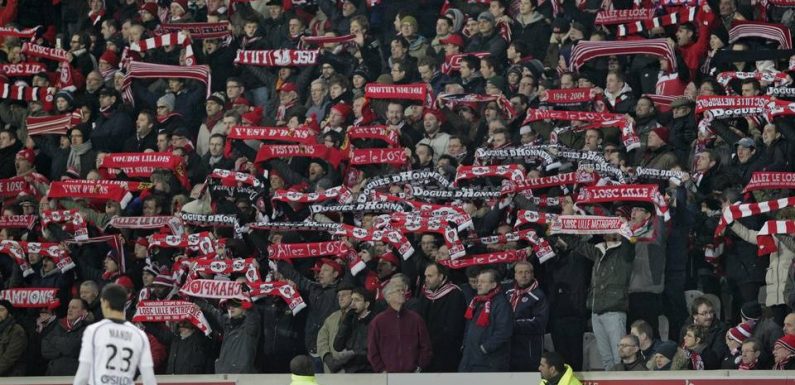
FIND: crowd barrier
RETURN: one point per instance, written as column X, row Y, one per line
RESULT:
column 719, row 377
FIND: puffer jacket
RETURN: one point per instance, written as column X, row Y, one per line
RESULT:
column 780, row 261
column 611, row 273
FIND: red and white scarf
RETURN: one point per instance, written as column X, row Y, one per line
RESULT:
column 199, row 242
column 171, row 311
column 588, row 50
column 724, row 107
column 147, row 223
column 277, row 134
column 281, row 289
column 22, row 69
column 225, row 266
column 142, row 164
column 17, row 221
column 684, row 15
column 141, row 70
column 560, row 180
column 96, row 192
column 17, row 253
column 33, row 297
column 277, row 58
column 453, row 62
column 63, row 261
column 621, row 16
column 777, row 78
column 167, row 40
column 765, row 180
column 625, row 193
column 764, row 238
column 331, row 155
column 197, row 30
column 737, row 211
column 517, row 293
column 36, row 50
column 215, row 289
column 507, row 256
column 340, row 193
column 390, row 156
column 50, row 125
column 70, row 325
column 590, row 225
column 406, row 224
column 233, row 178
column 374, row 132
column 484, row 318
column 568, row 97
column 72, row 219
column 444, row 289
column 774, row 32
column 96, row 16
column 541, row 247
column 629, row 138
column 28, row 94
column 28, row 33
column 14, row 187
column 320, row 40
column 695, row 359
column 288, row 251
column 395, row 238
column 512, row 172
column 416, row 91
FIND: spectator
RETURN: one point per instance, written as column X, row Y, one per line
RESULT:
column 13, row 342
column 750, row 354
column 646, row 342
column 414, row 353
column 190, row 351
column 489, row 327
column 61, row 346
column 145, row 137
column 783, row 352
column 241, row 331
column 302, row 371
column 630, row 354
column 9, row 146
column 664, row 356
column 334, row 359
column 112, row 125
column 530, row 312
column 442, row 306
column 352, row 333
column 694, row 353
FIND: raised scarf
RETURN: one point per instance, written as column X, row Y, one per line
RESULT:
column 649, row 193
column 415, row 91
column 288, row 251
column 167, row 40
column 32, row 297
column 277, row 134
column 507, row 256
column 277, row 58
column 365, row 156
column 764, row 238
column 281, row 289
column 171, row 311
column 484, row 318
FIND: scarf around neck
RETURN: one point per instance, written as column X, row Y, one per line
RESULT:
column 484, row 316
column 518, row 293
column 75, row 152
column 440, row 292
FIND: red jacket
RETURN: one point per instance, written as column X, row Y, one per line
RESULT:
column 398, row 342
column 692, row 54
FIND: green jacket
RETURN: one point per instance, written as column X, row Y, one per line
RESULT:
column 567, row 378
column 13, row 342
column 611, row 272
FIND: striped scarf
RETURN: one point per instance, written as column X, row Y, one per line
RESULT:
column 517, row 293
column 588, row 50
column 141, row 70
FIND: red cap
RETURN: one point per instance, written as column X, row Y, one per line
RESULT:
column 142, row 241
column 181, row 3
column 662, row 133
column 454, row 39
column 436, row 113
column 27, row 154
column 125, row 282
column 110, row 57
column 327, row 261
column 288, row 87
column 149, row 7
column 391, row 258
column 241, row 101
column 787, row 342
column 344, row 109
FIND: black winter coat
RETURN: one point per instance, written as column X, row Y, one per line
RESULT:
column 7, row 157
column 110, row 130
column 241, row 338
column 281, row 334
column 133, row 144
column 192, row 355
column 322, row 301
column 444, row 318
column 62, row 348
column 494, row 44
column 352, row 335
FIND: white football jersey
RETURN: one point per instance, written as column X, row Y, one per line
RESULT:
column 114, row 350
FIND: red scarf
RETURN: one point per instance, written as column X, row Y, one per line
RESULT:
column 783, row 364
column 518, row 293
column 695, row 359
column 484, row 316
column 95, row 17
column 751, row 366
column 162, row 119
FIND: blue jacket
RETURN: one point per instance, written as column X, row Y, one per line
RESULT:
column 488, row 349
column 530, row 314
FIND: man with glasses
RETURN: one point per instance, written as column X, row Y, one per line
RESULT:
column 629, row 352
column 703, row 314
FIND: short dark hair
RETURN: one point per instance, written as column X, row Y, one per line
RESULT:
column 150, row 116
column 217, row 135
column 115, row 295
column 472, row 62
column 495, row 276
column 697, row 304
column 643, row 327
column 554, row 360
column 755, row 83
column 402, row 41
column 366, row 295
column 441, row 269
column 302, row 366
